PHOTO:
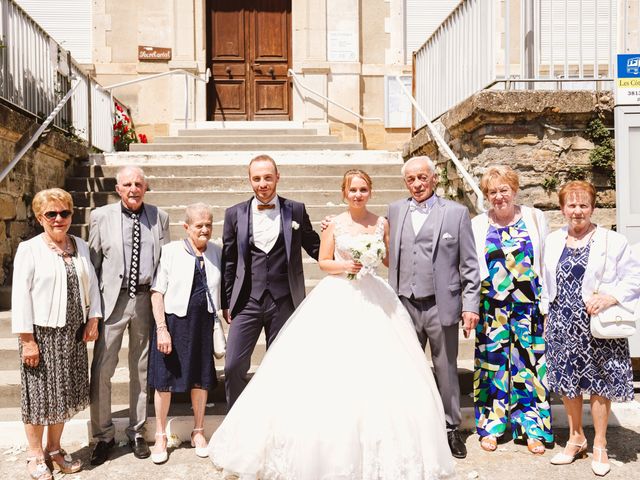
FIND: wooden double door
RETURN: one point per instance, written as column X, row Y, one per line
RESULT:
column 249, row 53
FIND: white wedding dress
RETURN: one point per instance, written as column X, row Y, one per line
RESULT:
column 343, row 393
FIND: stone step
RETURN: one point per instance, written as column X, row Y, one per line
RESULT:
column 282, row 157
column 182, row 198
column 223, row 132
column 185, row 169
column 239, row 146
column 176, row 214
column 251, row 138
column 227, row 183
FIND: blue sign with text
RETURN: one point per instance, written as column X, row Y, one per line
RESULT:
column 628, row 65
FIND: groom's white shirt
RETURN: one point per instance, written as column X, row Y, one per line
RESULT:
column 266, row 225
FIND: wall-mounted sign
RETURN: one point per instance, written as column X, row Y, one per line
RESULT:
column 153, row 53
column 628, row 79
column 342, row 46
column 397, row 106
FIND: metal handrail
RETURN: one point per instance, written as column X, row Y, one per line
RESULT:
column 443, row 144
column 42, row 128
column 207, row 76
column 361, row 118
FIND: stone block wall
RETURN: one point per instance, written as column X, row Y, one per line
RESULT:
column 44, row 166
column 544, row 136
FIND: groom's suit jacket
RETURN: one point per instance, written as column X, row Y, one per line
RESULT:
column 107, row 248
column 453, row 256
column 236, row 251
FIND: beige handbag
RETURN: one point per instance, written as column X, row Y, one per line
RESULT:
column 614, row 321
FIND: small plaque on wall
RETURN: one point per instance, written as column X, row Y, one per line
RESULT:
column 146, row 53
column 397, row 106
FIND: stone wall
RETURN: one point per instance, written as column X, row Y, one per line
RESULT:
column 542, row 135
column 44, row 166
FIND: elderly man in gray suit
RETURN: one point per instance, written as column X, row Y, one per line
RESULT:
column 434, row 270
column 125, row 240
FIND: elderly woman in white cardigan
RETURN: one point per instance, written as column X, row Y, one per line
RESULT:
column 587, row 268
column 181, row 350
column 55, row 303
column 509, row 377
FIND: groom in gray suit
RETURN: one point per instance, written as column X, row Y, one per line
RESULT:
column 125, row 240
column 434, row 270
column 262, row 268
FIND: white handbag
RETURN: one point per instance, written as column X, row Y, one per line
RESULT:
column 219, row 340
column 614, row 321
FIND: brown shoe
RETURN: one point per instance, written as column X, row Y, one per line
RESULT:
column 61, row 460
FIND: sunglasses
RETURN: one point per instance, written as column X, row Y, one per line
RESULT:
column 52, row 214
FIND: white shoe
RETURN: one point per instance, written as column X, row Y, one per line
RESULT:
column 161, row 457
column 564, row 459
column 598, row 467
column 202, row 452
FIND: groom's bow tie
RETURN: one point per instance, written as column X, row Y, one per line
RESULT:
column 419, row 207
column 267, row 206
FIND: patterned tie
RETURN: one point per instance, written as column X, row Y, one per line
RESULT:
column 135, row 256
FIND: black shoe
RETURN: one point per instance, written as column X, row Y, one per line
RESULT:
column 101, row 451
column 140, row 447
column 456, row 445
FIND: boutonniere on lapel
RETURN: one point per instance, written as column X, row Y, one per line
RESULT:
column 295, row 225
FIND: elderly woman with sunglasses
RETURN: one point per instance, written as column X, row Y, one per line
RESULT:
column 55, row 311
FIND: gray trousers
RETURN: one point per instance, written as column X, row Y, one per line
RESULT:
column 134, row 315
column 443, row 342
column 243, row 335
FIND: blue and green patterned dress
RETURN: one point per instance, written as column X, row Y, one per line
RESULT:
column 509, row 379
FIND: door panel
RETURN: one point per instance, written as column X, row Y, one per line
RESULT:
column 250, row 53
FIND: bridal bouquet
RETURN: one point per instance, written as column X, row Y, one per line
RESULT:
column 369, row 250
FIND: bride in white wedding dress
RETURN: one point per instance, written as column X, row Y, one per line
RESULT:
column 344, row 392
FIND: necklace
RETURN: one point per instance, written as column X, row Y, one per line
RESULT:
column 65, row 251
column 576, row 241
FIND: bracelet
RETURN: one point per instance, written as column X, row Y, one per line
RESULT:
column 162, row 326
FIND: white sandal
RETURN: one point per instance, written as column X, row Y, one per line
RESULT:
column 160, row 457
column 598, row 467
column 202, row 452
column 564, row 459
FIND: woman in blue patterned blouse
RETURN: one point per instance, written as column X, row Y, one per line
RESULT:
column 583, row 258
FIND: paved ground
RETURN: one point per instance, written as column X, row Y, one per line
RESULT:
column 510, row 462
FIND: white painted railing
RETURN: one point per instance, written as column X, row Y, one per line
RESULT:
column 523, row 44
column 360, row 118
column 35, row 73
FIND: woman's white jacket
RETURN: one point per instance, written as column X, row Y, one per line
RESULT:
column 621, row 278
column 174, row 276
column 39, row 289
column 536, row 227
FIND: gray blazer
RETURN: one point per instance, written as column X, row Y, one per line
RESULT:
column 107, row 249
column 455, row 264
